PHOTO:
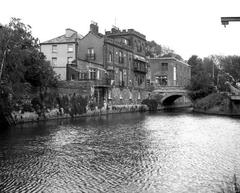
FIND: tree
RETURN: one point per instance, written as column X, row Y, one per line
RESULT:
column 201, row 81
column 154, row 50
column 24, row 64
column 231, row 66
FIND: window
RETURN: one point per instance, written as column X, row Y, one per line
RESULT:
column 83, row 76
column 174, row 75
column 125, row 41
column 54, row 61
column 92, row 74
column 120, row 77
column 120, row 57
column 164, row 66
column 69, row 60
column 110, row 57
column 54, row 48
column 70, row 48
column 73, row 77
column 162, row 80
column 91, row 54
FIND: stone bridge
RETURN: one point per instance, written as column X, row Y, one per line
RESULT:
column 168, row 94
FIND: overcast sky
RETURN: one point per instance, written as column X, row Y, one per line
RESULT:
column 186, row 26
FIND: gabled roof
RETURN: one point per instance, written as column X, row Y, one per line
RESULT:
column 99, row 35
column 63, row 39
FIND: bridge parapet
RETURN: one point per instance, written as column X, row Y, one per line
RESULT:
column 170, row 89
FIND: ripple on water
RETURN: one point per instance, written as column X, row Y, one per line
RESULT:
column 127, row 153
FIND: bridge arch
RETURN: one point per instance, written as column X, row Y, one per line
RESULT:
column 166, row 96
column 169, row 99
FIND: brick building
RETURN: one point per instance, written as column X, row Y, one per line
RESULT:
column 115, row 64
column 61, row 50
column 169, row 72
column 89, row 65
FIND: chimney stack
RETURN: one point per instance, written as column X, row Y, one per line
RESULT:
column 94, row 27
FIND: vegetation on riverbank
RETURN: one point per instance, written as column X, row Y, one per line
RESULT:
column 23, row 68
column 214, row 100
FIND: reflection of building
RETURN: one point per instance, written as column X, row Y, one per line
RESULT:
column 169, row 72
column 61, row 50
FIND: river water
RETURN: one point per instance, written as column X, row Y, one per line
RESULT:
column 143, row 153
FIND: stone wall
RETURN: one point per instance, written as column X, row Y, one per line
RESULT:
column 116, row 95
column 82, row 88
column 126, row 96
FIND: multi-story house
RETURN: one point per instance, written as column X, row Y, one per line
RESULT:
column 115, row 61
column 89, row 66
column 127, row 48
column 169, row 72
column 61, row 51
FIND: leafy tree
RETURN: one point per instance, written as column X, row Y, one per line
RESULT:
column 201, row 80
column 172, row 54
column 154, row 50
column 231, row 66
column 24, row 65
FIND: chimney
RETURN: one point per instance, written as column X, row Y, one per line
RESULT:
column 94, row 27
column 69, row 32
column 115, row 29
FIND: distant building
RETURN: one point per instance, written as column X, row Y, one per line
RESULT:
column 61, row 51
column 169, row 72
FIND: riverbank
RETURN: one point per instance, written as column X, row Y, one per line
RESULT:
column 54, row 114
column 217, row 104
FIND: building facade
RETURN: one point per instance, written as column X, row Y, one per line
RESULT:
column 116, row 64
column 89, row 65
column 61, row 51
column 169, row 72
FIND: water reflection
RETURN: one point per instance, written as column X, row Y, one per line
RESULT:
column 170, row 152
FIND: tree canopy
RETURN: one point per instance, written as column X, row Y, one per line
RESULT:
column 211, row 73
column 154, row 50
column 23, row 63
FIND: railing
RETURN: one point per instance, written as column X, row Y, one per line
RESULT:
column 102, row 82
column 139, row 69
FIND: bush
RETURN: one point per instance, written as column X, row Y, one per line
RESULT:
column 201, row 93
column 210, row 101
